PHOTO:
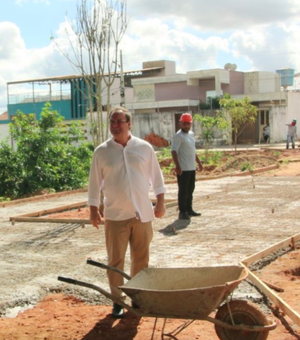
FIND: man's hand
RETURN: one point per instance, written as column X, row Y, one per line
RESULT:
column 200, row 167
column 178, row 170
column 95, row 216
column 160, row 209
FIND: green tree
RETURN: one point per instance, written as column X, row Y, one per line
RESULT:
column 11, row 171
column 212, row 103
column 241, row 113
column 208, row 127
column 94, row 39
column 47, row 155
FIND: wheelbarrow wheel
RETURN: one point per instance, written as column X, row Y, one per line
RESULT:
column 243, row 312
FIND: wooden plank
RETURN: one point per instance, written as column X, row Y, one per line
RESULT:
column 171, row 204
column 256, row 171
column 280, row 303
column 42, row 197
column 270, row 285
column 50, row 220
column 263, row 287
column 167, row 200
column 52, row 210
column 36, row 216
column 289, row 242
column 69, row 207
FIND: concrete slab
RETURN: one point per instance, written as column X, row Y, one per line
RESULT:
column 240, row 216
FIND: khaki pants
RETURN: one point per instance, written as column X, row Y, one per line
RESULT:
column 118, row 234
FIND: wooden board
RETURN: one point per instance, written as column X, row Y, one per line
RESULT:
column 41, row 197
column 279, row 302
column 37, row 216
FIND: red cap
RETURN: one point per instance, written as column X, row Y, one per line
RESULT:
column 186, row 117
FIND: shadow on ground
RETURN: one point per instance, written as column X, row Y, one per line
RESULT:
column 171, row 229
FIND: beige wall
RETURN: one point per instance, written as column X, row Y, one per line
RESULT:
column 163, row 125
column 282, row 115
column 261, row 82
column 4, row 131
column 277, row 124
column 169, row 66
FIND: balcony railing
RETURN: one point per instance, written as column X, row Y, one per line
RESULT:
column 38, row 97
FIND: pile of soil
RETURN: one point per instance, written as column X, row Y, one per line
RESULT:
column 232, row 162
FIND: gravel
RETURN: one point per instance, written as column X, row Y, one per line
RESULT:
column 240, row 216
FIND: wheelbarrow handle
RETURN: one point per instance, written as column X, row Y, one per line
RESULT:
column 104, row 266
column 103, row 292
column 67, row 280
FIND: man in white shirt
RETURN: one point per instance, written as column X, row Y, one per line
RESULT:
column 125, row 167
column 266, row 133
column 185, row 159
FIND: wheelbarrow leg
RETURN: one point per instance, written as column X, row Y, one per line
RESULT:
column 173, row 333
column 154, row 327
column 176, row 331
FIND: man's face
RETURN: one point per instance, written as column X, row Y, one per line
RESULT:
column 185, row 126
column 119, row 127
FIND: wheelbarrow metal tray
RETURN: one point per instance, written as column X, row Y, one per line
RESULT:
column 190, row 293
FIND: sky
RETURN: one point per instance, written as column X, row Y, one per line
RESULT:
column 256, row 35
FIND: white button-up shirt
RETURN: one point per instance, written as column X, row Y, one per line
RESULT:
column 125, row 175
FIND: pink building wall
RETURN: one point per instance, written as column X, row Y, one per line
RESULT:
column 236, row 85
column 176, row 91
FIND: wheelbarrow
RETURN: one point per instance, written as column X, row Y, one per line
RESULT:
column 190, row 294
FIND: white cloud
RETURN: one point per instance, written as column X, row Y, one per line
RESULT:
column 258, row 35
column 268, row 47
column 217, row 15
column 19, row 63
column 293, row 45
column 153, row 40
column 11, row 42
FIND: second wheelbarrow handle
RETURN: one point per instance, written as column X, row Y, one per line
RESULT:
column 102, row 291
column 105, row 266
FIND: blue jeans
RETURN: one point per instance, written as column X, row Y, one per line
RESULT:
column 290, row 139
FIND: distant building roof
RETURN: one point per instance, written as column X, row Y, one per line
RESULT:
column 65, row 78
column 4, row 116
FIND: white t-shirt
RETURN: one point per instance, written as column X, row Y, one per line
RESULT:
column 184, row 144
column 125, row 175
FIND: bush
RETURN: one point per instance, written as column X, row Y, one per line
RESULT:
column 48, row 155
column 247, row 166
column 10, row 171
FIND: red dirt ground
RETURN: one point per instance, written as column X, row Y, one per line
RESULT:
column 65, row 317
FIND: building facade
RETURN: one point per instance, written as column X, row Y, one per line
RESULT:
column 157, row 95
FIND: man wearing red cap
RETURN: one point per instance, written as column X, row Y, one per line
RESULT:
column 291, row 133
column 185, row 159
